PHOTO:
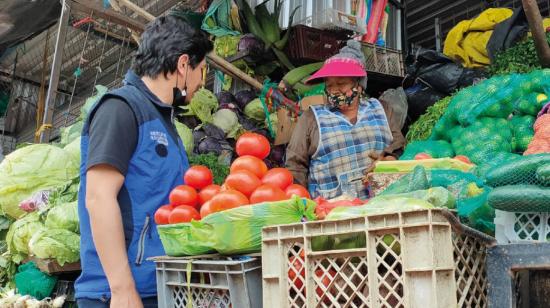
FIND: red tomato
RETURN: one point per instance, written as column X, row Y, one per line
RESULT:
column 227, row 200
column 206, row 209
column 296, row 271
column 279, row 177
column 296, row 189
column 267, row 193
column 253, row 144
column 243, row 181
column 421, row 156
column 250, row 163
column 162, row 214
column 208, row 192
column 464, row 159
column 198, row 177
column 326, row 279
column 183, row 213
column 184, row 195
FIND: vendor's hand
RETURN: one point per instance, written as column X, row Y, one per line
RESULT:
column 128, row 298
column 388, row 158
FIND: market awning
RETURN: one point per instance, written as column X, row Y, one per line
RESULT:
column 21, row 20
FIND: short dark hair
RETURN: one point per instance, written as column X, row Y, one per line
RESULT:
column 162, row 43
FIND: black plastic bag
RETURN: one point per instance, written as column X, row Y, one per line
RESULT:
column 435, row 70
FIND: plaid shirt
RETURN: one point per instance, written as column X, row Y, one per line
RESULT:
column 342, row 156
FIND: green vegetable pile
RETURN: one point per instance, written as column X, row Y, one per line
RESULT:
column 521, row 58
column 422, row 128
column 220, row 171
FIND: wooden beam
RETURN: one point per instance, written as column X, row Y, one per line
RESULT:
column 220, row 62
column 116, row 7
column 87, row 6
column 534, row 19
column 138, row 10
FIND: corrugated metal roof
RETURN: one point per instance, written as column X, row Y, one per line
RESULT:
column 421, row 16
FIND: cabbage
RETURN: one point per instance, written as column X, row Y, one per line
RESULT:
column 228, row 121
column 253, row 45
column 73, row 149
column 20, row 233
column 70, row 133
column 272, row 122
column 59, row 244
column 63, row 216
column 255, row 110
column 91, row 101
column 202, row 105
column 186, row 135
column 33, row 168
column 244, row 97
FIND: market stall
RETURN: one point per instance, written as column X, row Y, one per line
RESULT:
column 241, row 232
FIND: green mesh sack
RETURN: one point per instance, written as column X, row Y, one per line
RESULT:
column 522, row 170
column 520, row 198
column 523, row 132
column 234, row 231
column 498, row 158
column 29, row 280
column 436, row 149
column 531, row 103
column 543, row 174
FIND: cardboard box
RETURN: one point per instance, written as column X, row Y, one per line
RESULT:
column 287, row 123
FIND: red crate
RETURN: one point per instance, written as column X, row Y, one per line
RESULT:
column 308, row 44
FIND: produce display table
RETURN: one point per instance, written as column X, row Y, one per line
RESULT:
column 51, row 266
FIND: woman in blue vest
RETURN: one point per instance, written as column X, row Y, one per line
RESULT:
column 131, row 158
column 334, row 144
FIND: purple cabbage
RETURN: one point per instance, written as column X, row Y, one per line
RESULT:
column 254, row 46
column 244, row 97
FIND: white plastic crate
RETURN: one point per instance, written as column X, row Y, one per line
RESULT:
column 410, row 259
column 335, row 19
column 512, row 227
column 209, row 282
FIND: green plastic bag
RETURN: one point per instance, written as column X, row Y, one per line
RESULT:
column 217, row 20
column 234, row 231
column 379, row 206
column 29, row 280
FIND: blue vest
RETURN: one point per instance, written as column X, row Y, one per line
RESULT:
column 156, row 167
column 342, row 157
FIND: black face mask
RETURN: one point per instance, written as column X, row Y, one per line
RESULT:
column 180, row 95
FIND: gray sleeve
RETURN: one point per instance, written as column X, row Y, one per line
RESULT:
column 113, row 135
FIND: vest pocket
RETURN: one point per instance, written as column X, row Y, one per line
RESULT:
column 141, row 242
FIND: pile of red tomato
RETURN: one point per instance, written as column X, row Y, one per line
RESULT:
column 249, row 182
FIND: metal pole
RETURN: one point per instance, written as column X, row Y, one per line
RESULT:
column 437, row 34
column 56, row 69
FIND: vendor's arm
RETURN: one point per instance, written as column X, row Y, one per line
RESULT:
column 112, row 141
column 395, row 149
column 302, row 146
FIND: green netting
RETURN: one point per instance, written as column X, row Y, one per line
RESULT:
column 468, row 190
column 437, row 149
column 490, row 122
column 531, row 104
column 522, row 132
column 520, row 198
column 522, row 170
column 234, row 231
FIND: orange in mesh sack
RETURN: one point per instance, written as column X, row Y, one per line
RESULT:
column 541, row 139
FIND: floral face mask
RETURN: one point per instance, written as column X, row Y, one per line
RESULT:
column 339, row 99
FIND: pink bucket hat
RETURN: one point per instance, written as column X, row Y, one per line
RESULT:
column 348, row 63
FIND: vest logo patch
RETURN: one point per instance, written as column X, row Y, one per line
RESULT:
column 159, row 137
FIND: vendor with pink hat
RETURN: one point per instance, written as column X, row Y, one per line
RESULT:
column 334, row 144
